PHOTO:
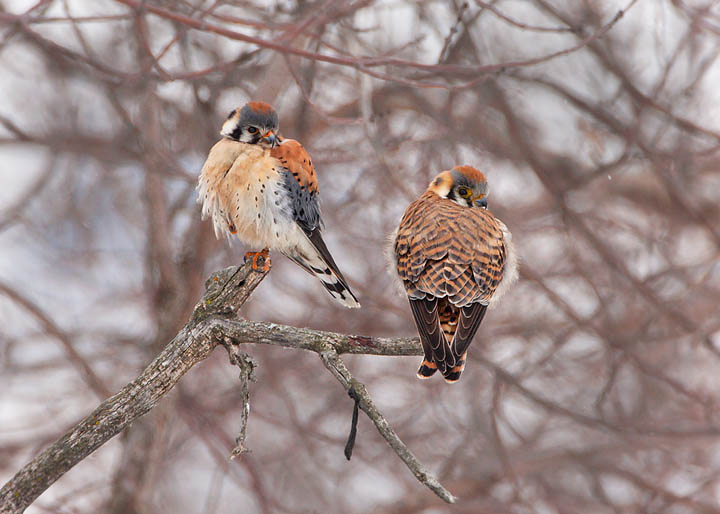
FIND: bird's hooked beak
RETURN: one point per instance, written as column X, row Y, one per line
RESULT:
column 270, row 137
column 480, row 201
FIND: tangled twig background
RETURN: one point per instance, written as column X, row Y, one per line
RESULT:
column 593, row 386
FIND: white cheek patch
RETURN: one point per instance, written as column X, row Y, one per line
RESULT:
column 229, row 127
column 440, row 188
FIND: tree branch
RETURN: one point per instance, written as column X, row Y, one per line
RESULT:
column 211, row 324
column 363, row 63
column 247, row 374
column 337, row 367
column 226, row 291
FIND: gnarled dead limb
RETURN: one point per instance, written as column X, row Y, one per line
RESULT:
column 211, row 323
column 226, row 291
column 337, row 367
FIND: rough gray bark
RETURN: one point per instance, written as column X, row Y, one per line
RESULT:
column 213, row 321
column 226, row 291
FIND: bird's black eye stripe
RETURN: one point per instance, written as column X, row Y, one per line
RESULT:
column 236, row 133
column 252, row 130
column 232, row 113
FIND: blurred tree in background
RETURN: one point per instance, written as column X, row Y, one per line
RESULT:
column 592, row 388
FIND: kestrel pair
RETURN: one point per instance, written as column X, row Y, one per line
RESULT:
column 453, row 257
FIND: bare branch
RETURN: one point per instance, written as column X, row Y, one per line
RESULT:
column 338, row 369
column 602, row 161
column 247, row 367
column 364, row 64
column 227, row 291
column 209, row 326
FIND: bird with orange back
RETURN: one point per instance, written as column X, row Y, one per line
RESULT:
column 263, row 190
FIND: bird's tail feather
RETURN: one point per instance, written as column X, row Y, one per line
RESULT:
column 450, row 368
column 316, row 259
column 336, row 286
column 426, row 318
column 452, row 375
column 427, row 368
column 445, row 333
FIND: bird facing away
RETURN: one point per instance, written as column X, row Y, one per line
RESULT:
column 263, row 189
column 454, row 259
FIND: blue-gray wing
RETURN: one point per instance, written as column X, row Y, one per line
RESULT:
column 300, row 184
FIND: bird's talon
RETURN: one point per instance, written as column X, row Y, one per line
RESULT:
column 260, row 260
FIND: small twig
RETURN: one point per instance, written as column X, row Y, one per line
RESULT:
column 247, row 374
column 365, row 63
column 447, row 46
column 519, row 24
column 337, row 367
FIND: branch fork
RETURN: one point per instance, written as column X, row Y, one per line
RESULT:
column 213, row 322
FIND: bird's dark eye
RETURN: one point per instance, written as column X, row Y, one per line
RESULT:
column 464, row 192
column 252, row 130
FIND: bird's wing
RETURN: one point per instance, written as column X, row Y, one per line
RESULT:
column 418, row 259
column 487, row 261
column 447, row 251
column 468, row 322
column 299, row 181
column 425, row 313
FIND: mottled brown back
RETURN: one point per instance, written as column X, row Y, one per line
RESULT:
column 445, row 250
column 450, row 259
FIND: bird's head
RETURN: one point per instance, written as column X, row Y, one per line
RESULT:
column 464, row 185
column 255, row 123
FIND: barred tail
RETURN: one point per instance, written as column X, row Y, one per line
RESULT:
column 336, row 286
column 459, row 326
column 432, row 339
column 450, row 368
column 452, row 375
column 445, row 333
column 427, row 368
column 315, row 258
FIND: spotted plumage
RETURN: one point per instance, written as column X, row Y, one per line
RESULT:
column 263, row 190
column 454, row 259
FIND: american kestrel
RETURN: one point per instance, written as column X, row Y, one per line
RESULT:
column 454, row 259
column 263, row 189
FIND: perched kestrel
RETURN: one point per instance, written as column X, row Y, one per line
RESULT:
column 263, row 189
column 454, row 259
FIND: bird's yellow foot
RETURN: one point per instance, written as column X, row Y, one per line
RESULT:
column 260, row 260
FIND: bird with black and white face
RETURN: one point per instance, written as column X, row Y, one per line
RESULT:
column 263, row 190
column 254, row 123
column 454, row 259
